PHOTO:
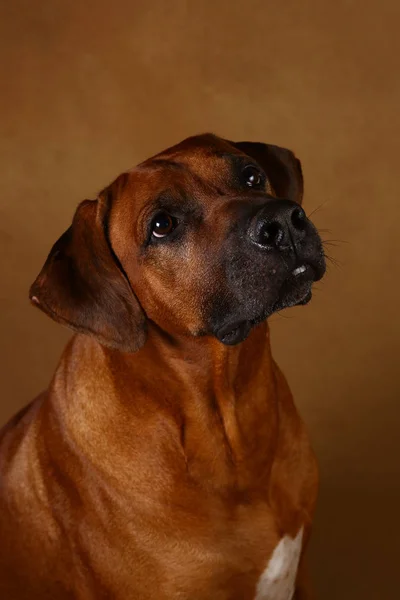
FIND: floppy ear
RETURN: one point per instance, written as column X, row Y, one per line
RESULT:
column 281, row 166
column 83, row 286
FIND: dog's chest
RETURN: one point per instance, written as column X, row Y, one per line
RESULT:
column 278, row 580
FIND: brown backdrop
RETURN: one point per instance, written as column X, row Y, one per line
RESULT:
column 89, row 88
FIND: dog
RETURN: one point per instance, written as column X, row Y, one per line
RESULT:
column 167, row 460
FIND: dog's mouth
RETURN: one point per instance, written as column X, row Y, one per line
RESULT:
column 295, row 290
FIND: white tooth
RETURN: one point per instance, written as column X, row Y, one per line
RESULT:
column 299, row 270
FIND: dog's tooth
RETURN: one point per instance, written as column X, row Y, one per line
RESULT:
column 299, row 270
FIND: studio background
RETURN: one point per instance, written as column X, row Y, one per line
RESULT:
column 89, row 89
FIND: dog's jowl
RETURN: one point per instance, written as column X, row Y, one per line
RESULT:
column 166, row 459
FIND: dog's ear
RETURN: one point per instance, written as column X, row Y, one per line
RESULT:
column 83, row 286
column 281, row 166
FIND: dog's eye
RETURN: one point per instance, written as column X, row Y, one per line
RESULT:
column 252, row 176
column 162, row 225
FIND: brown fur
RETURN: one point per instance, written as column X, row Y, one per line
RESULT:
column 170, row 472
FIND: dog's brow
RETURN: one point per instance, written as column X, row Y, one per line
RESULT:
column 230, row 156
column 177, row 201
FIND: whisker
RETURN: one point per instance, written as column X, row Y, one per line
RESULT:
column 283, row 316
column 279, row 314
column 326, row 243
column 337, row 263
column 317, row 209
column 337, row 241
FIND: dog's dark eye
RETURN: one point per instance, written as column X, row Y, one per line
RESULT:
column 162, row 225
column 252, row 177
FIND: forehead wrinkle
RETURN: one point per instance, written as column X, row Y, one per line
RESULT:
column 210, row 171
column 200, row 155
column 182, row 184
column 164, row 162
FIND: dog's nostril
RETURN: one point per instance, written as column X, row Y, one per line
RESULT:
column 299, row 219
column 271, row 234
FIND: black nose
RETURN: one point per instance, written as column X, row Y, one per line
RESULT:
column 279, row 224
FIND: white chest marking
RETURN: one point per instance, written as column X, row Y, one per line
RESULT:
column 279, row 578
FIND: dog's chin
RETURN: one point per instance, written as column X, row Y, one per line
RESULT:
column 296, row 291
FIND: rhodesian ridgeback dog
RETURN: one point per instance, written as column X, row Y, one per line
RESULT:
column 167, row 460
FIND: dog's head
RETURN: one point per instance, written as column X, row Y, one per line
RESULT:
column 206, row 238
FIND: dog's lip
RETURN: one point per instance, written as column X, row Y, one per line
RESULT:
column 305, row 299
column 297, row 287
column 229, row 333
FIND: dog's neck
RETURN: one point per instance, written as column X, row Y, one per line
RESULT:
column 220, row 401
column 203, row 375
